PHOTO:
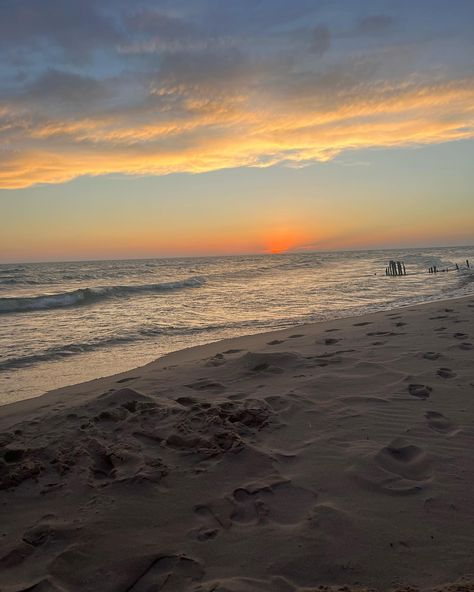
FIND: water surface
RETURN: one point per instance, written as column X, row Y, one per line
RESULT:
column 63, row 323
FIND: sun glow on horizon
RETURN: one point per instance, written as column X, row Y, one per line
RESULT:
column 283, row 239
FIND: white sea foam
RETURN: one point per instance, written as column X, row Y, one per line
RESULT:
column 89, row 295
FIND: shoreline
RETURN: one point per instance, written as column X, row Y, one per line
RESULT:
column 336, row 453
column 228, row 339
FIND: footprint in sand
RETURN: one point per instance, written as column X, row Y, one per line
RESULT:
column 271, row 363
column 126, row 398
column 281, row 503
column 296, row 336
column 233, row 351
column 278, row 503
column 331, row 330
column 465, row 346
column 446, row 373
column 404, row 459
column 276, row 342
column 169, row 573
column 127, row 379
column 331, row 341
column 460, row 335
column 439, row 423
column 401, row 468
column 380, row 333
column 420, row 391
column 216, row 360
column 214, row 517
column 333, row 354
column 47, row 530
column 431, row 355
column 187, row 401
column 278, row 403
column 237, row 396
column 205, row 384
column 362, row 324
column 15, row 557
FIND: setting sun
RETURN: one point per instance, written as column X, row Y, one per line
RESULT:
column 280, row 240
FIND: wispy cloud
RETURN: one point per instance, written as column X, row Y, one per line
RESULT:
column 374, row 24
column 168, row 90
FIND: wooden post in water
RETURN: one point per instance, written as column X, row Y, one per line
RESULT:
column 395, row 268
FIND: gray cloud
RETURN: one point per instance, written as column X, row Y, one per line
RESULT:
column 209, row 66
column 373, row 24
column 65, row 88
column 157, row 23
column 255, row 15
column 320, row 40
column 75, row 27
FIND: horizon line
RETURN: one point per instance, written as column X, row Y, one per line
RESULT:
column 217, row 256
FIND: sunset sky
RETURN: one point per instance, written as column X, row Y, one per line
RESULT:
column 189, row 127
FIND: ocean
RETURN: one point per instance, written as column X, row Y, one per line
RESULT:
column 64, row 323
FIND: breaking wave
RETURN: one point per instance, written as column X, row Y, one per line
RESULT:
column 90, row 295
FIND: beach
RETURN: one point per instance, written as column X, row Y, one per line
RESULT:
column 65, row 323
column 333, row 454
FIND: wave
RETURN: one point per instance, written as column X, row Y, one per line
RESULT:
column 61, row 351
column 221, row 329
column 4, row 270
column 90, row 295
column 13, row 281
column 466, row 277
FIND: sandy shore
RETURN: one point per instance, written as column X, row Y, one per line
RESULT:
column 333, row 454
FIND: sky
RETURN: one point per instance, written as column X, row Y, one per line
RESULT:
column 196, row 127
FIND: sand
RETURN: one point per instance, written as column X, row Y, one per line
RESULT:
column 334, row 454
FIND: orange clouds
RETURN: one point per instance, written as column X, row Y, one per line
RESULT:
column 230, row 130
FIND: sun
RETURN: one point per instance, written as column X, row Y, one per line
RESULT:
column 281, row 240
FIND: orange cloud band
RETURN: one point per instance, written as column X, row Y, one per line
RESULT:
column 231, row 131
